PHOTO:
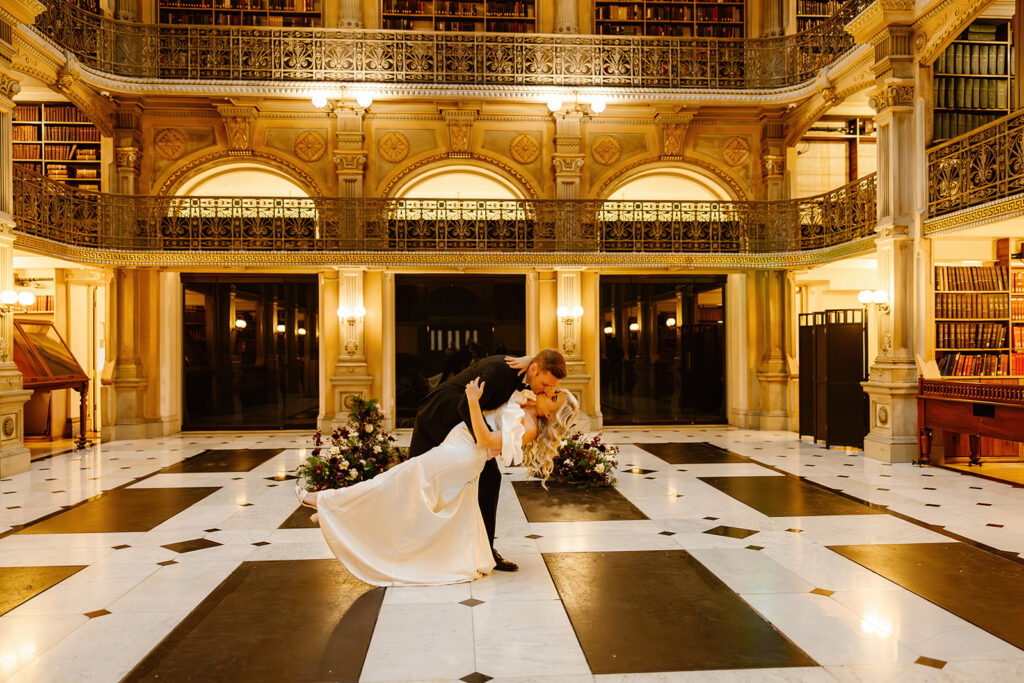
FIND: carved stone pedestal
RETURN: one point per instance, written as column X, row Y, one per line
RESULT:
column 349, row 379
column 14, row 455
column 892, row 412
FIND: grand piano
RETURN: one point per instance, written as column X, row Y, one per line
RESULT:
column 46, row 363
column 971, row 408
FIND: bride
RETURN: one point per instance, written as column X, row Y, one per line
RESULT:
column 419, row 523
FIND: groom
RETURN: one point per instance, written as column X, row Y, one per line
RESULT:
column 446, row 406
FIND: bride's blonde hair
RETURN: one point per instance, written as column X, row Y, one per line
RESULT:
column 539, row 454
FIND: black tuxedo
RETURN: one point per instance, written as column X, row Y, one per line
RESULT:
column 447, row 406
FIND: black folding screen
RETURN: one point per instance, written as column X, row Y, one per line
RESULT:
column 833, row 363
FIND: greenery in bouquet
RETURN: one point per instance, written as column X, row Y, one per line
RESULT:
column 348, row 455
column 585, row 462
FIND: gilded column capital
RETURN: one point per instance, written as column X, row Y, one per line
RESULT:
column 567, row 163
column 349, row 161
column 772, row 165
column 128, row 160
column 892, row 95
column 9, row 87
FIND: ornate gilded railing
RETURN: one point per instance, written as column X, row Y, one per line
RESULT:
column 245, row 53
column 51, row 210
column 978, row 167
column 973, row 392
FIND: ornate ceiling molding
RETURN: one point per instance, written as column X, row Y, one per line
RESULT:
column 989, row 212
column 943, row 23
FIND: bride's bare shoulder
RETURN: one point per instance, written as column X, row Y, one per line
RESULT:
column 530, row 422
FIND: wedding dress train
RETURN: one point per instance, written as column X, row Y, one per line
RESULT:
column 419, row 523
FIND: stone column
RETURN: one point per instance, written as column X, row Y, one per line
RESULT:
column 567, row 15
column 892, row 382
column 129, row 380
column 14, row 456
column 773, row 369
column 350, row 14
column 351, row 375
column 532, row 313
column 388, row 332
column 773, row 21
column 126, row 10
column 568, row 156
column 349, row 153
column 570, row 336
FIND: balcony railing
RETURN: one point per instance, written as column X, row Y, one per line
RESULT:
column 978, row 167
column 53, row 211
column 244, row 53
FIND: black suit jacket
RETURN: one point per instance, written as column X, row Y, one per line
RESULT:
column 447, row 406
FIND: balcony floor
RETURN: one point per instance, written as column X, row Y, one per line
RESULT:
column 774, row 559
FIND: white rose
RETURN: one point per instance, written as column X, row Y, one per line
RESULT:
column 567, row 462
column 362, row 461
column 352, row 473
column 368, row 427
column 376, row 448
column 599, row 468
column 335, row 450
column 343, row 463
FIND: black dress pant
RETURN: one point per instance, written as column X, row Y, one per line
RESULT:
column 490, row 479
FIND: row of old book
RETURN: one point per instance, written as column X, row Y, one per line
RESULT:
column 970, row 335
column 972, row 364
column 975, row 60
column 972, row 306
column 972, row 93
column 960, row 278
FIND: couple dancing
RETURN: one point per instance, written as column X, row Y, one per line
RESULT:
column 430, row 520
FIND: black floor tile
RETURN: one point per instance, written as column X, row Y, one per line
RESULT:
column 975, row 585
column 691, row 453
column 279, row 620
column 566, row 503
column 300, row 519
column 224, row 460
column 21, row 584
column 122, row 510
column 779, row 496
column 646, row 611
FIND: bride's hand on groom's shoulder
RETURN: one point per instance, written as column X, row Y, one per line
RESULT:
column 519, row 362
column 475, row 389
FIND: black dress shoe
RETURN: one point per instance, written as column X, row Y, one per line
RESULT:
column 503, row 565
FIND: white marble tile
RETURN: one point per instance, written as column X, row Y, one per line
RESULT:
column 750, row 571
column 88, row 590
column 425, row 595
column 609, row 543
column 531, row 582
column 421, row 641
column 904, row 673
column 103, row 649
column 825, row 569
column 790, row 675
column 526, row 638
column 175, row 588
column 24, row 638
column 828, row 632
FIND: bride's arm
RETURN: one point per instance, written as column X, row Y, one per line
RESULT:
column 485, row 438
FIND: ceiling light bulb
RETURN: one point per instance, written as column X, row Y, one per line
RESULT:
column 26, row 298
column 320, row 100
column 554, row 103
column 598, row 105
column 364, row 100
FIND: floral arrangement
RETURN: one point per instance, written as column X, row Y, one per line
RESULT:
column 351, row 454
column 585, row 462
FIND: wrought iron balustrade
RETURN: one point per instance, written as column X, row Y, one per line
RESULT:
column 247, row 53
column 978, row 167
column 51, row 210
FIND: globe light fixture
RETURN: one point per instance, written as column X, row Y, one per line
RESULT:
column 364, row 100
column 301, row 331
column 554, row 103
column 598, row 105
column 280, row 327
column 26, row 298
column 319, row 100
column 240, row 323
column 608, row 329
column 670, row 322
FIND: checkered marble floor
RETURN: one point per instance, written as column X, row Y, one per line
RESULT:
column 127, row 591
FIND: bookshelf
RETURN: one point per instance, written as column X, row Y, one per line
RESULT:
column 972, row 321
column 498, row 16
column 58, row 141
column 294, row 13
column 810, row 13
column 669, row 18
column 972, row 79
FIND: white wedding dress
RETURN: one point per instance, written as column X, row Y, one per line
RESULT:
column 419, row 523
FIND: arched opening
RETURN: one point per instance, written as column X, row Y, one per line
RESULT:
column 680, row 184
column 459, row 181
column 250, row 343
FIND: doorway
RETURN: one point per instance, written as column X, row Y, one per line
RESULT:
column 663, row 350
column 445, row 322
column 250, row 352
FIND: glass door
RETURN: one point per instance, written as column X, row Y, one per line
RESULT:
column 250, row 352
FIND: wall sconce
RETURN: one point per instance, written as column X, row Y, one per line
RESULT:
column 10, row 299
column 634, row 327
column 878, row 298
column 319, row 100
column 240, row 323
column 280, row 328
column 598, row 105
column 349, row 315
column 364, row 100
column 554, row 103
column 352, row 316
column 301, row 331
column 670, row 322
column 567, row 313
column 608, row 329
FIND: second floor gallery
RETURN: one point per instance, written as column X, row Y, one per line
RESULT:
column 239, row 214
